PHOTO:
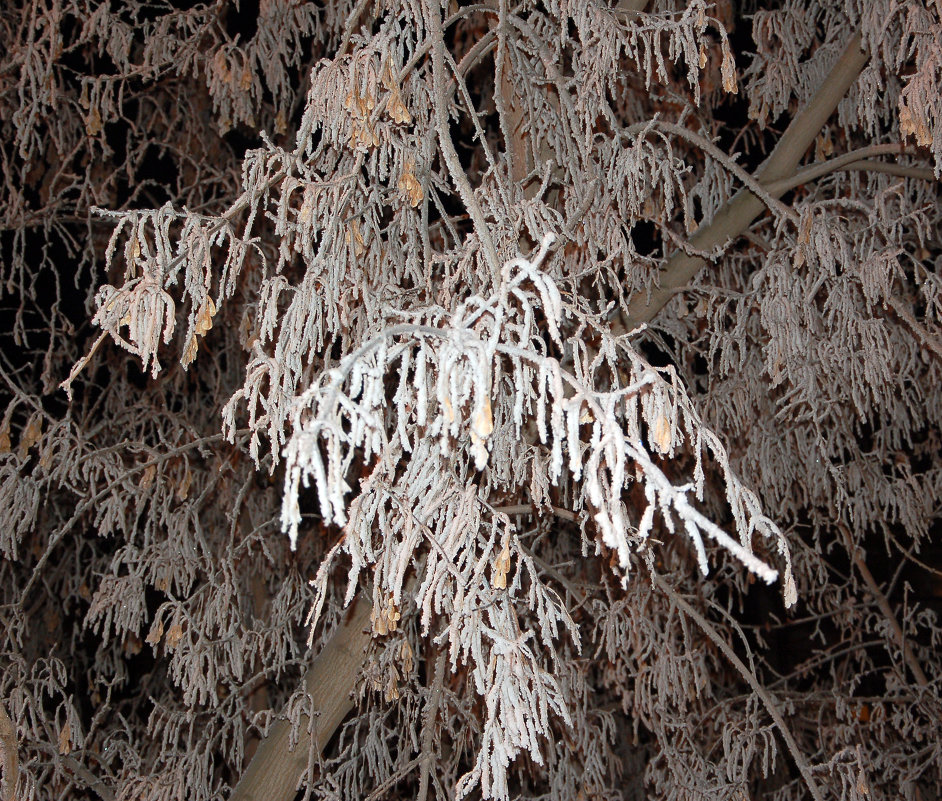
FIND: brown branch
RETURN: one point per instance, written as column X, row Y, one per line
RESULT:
column 275, row 771
column 449, row 154
column 884, row 606
column 751, row 679
column 737, row 215
column 860, row 159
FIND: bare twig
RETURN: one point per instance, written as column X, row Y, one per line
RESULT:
column 859, row 159
column 890, row 168
column 395, row 778
column 925, row 335
column 92, row 782
column 529, row 509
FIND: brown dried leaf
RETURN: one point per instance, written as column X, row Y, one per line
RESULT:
column 728, row 71
column 409, row 186
column 147, row 478
column 31, row 435
column 65, row 739
column 405, row 654
column 174, row 635
column 204, row 319
column 483, row 423
column 183, row 487
column 155, row 633
column 661, row 435
column 93, row 122
column 501, row 568
column 189, row 352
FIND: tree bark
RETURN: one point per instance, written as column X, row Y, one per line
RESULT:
column 10, row 757
column 275, row 771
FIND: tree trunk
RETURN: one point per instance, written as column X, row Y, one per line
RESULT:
column 275, row 770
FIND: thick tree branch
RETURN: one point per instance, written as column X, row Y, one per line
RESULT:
column 734, row 218
column 275, row 770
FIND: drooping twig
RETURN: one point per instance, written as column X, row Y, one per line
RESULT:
column 428, row 725
column 761, row 191
column 91, row 501
column 449, row 153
